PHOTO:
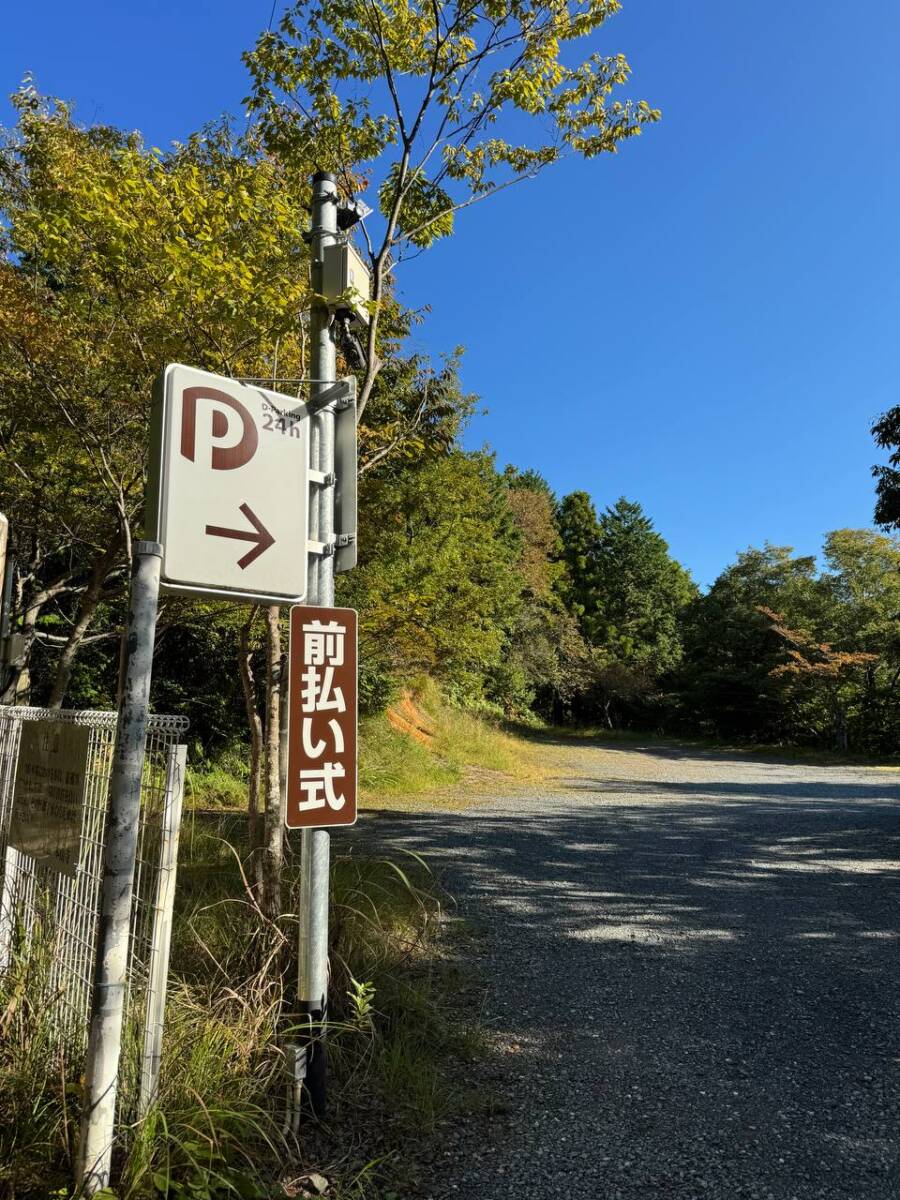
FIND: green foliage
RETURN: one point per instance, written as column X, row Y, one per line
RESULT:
column 427, row 212
column 733, row 680
column 886, row 432
column 439, row 104
column 416, row 413
column 453, row 78
column 639, row 592
column 436, row 587
column 579, row 531
column 114, row 260
column 221, row 784
column 628, row 595
column 725, row 684
column 377, row 687
column 38, row 1080
column 546, row 662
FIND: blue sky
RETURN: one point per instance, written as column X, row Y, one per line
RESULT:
column 706, row 322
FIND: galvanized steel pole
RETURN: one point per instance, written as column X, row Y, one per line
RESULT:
column 316, row 843
column 120, row 853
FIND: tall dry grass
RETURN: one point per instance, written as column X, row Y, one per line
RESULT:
column 395, row 1033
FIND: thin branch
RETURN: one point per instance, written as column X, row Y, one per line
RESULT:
column 455, row 208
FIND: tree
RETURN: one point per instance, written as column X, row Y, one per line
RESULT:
column 640, row 592
column 416, row 412
column 461, row 83
column 862, row 590
column 886, row 432
column 546, row 662
column 579, row 531
column 725, row 683
column 629, row 595
column 115, row 260
column 814, row 674
column 437, row 587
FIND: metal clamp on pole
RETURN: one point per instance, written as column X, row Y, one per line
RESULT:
column 336, row 394
column 120, row 853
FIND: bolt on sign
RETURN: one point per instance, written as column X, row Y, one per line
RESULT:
column 229, row 480
column 322, row 700
column 49, row 795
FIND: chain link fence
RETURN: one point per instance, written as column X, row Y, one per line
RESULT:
column 39, row 904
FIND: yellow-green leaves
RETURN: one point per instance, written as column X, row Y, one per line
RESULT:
column 426, row 211
column 440, row 102
column 424, row 95
column 116, row 260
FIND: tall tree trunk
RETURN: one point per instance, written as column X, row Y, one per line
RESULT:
column 254, row 722
column 840, row 727
column 272, row 856
column 90, row 601
column 17, row 686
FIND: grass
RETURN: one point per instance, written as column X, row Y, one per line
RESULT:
column 37, row 1079
column 393, row 763
column 220, row 785
column 398, row 1032
column 451, row 747
column 776, row 752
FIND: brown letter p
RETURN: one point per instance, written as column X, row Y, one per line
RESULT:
column 224, row 458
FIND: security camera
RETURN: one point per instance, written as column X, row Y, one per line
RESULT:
column 350, row 212
column 350, row 345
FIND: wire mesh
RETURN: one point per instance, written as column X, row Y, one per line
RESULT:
column 39, row 902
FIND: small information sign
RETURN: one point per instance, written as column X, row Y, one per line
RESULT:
column 322, row 700
column 48, row 800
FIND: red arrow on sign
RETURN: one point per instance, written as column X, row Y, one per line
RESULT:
column 260, row 535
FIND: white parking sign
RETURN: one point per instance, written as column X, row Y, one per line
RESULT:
column 227, row 496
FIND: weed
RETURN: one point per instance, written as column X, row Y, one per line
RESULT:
column 393, row 762
column 215, row 1131
column 390, row 762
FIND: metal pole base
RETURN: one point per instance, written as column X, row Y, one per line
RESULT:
column 315, row 1092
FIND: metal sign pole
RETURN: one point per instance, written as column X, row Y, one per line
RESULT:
column 315, row 845
column 123, row 815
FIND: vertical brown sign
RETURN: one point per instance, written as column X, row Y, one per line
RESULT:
column 321, row 770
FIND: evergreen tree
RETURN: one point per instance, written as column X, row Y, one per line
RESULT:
column 639, row 592
column 628, row 595
column 580, row 533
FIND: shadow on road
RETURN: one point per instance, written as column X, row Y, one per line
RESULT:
column 711, row 966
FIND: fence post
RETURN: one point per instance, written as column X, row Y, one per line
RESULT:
column 9, row 741
column 161, row 934
column 110, row 968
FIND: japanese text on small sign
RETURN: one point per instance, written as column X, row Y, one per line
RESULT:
column 322, row 699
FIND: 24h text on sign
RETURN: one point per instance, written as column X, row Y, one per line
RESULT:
column 228, row 492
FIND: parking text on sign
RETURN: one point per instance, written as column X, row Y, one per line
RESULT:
column 227, row 494
column 322, row 702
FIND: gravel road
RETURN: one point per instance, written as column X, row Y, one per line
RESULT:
column 693, row 970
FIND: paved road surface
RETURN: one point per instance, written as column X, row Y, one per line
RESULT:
column 694, row 969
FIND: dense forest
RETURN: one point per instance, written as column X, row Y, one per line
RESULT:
column 521, row 604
